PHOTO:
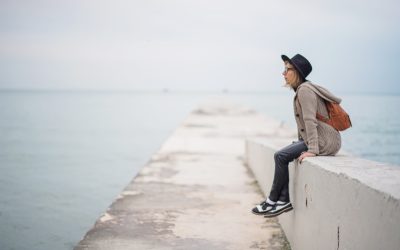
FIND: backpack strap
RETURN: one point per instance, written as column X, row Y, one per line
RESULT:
column 310, row 86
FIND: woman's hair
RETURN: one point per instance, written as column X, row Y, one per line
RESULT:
column 297, row 80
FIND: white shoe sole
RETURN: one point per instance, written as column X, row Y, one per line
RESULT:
column 287, row 209
column 263, row 213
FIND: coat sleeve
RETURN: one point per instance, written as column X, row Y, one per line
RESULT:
column 308, row 103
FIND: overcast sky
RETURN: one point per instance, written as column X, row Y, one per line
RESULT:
column 353, row 45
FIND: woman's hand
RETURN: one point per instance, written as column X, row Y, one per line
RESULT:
column 304, row 155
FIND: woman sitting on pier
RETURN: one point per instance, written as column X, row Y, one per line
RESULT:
column 315, row 136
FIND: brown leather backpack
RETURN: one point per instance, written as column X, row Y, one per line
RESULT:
column 338, row 118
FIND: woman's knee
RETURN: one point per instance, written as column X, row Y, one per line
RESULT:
column 282, row 157
column 279, row 156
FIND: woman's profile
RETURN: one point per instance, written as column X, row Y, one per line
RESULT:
column 314, row 136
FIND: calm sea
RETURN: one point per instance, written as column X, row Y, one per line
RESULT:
column 66, row 155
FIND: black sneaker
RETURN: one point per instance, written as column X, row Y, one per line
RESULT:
column 278, row 208
column 263, row 208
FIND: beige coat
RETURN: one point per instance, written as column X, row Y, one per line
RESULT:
column 320, row 138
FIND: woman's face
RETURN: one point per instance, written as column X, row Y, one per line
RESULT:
column 289, row 74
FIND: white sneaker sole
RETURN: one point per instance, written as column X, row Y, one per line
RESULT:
column 262, row 213
column 269, row 215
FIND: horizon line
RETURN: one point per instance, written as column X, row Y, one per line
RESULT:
column 177, row 90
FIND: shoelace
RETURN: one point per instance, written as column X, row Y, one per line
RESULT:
column 264, row 205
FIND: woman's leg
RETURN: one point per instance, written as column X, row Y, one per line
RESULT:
column 280, row 186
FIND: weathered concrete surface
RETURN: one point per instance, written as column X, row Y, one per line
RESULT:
column 195, row 192
column 340, row 202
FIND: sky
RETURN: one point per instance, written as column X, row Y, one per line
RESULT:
column 353, row 45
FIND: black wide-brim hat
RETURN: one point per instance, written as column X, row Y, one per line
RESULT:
column 302, row 65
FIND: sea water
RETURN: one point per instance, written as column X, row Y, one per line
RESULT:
column 66, row 155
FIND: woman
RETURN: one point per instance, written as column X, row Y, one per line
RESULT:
column 315, row 137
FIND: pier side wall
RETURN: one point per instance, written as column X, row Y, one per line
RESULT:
column 339, row 202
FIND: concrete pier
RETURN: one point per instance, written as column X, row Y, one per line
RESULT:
column 196, row 192
column 340, row 202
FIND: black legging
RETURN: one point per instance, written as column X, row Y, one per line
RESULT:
column 280, row 186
